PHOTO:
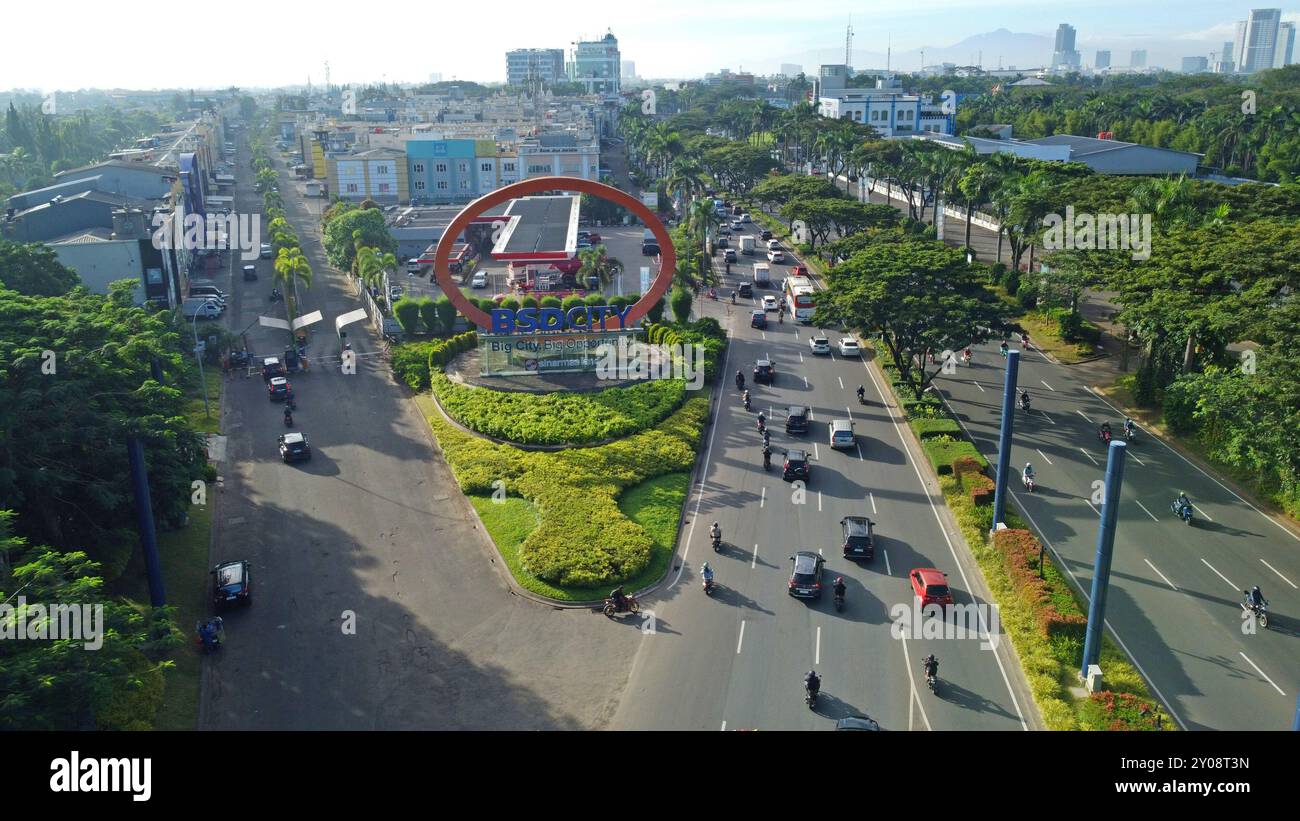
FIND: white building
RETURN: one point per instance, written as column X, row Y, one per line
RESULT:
column 889, row 110
column 559, row 154
column 1285, row 45
column 1257, row 40
column 597, row 66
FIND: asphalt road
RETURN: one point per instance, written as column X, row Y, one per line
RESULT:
column 1175, row 589
column 373, row 527
column 737, row 660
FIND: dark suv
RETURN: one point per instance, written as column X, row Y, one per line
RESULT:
column 806, row 575
column 231, row 584
column 857, row 538
column 764, row 372
column 796, row 465
column 746, row 289
column 796, row 420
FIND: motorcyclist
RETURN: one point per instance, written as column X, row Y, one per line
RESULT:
column 767, row 457
column 733, row 297
column 931, row 665
column 1028, row 475
column 966, row 355
column 715, row 532
column 746, row 398
column 1003, row 347
column 1183, row 503
column 706, row 573
column 812, row 682
column 1024, row 400
column 288, row 416
column 1129, row 427
column 740, row 380
column 780, row 318
column 1255, row 598
column 620, row 600
column 767, row 437
column 762, row 421
column 1024, row 339
column 837, row 589
column 1105, row 431
column 862, row 392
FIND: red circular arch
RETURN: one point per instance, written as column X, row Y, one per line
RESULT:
column 536, row 185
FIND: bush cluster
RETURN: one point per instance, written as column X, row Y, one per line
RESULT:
column 1019, row 551
column 560, row 418
column 583, row 539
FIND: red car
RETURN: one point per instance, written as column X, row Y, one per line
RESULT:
column 931, row 586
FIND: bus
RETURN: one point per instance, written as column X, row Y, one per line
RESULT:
column 799, row 298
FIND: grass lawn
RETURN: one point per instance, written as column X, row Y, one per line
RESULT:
column 194, row 407
column 184, row 557
column 1043, row 333
column 655, row 504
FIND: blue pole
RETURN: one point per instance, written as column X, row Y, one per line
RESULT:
column 1004, row 438
column 1295, row 722
column 144, row 520
column 1105, row 550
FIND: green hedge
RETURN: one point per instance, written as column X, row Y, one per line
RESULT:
column 411, row 364
column 942, row 450
column 560, row 418
column 445, row 350
column 583, row 539
column 926, row 428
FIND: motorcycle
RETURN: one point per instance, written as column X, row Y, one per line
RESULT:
column 746, row 402
column 276, row 296
column 1184, row 512
column 932, row 682
column 208, row 634
column 862, row 397
column 762, row 425
column 965, row 357
column 780, row 319
column 288, row 418
column 839, row 602
column 1028, row 482
column 1003, row 351
column 1024, row 403
column 810, row 696
column 1130, row 434
column 1260, row 611
column 767, row 460
column 629, row 606
column 740, row 382
column 1104, row 436
column 708, row 587
column 717, row 544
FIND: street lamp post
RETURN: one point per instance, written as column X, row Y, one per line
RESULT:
column 207, row 412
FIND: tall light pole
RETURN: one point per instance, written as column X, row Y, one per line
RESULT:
column 207, row 412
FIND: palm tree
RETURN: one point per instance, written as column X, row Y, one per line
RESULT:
column 976, row 184
column 292, row 267
column 701, row 219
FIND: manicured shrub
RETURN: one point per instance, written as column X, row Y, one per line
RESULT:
column 551, row 302
column 411, row 364
column 510, row 303
column 942, row 450
column 571, row 302
column 529, row 302
column 594, row 300
column 981, row 489
column 445, row 313
column 407, row 312
column 927, row 428
column 1065, row 630
column 681, row 301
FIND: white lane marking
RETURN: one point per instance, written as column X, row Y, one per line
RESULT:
column 817, row 652
column 1158, row 573
column 1147, row 512
column 819, row 501
column 699, row 494
column 1084, row 415
column 1202, row 512
column 859, row 447
column 1135, row 458
column 762, row 496
column 1094, row 510
column 754, row 561
column 952, row 549
column 849, row 411
column 1048, row 418
column 816, row 453
column 1044, row 455
column 805, row 381
column 1279, row 573
column 1261, row 673
column 872, row 497
column 1220, row 575
column 1276, row 523
column 1049, row 387
column 740, row 641
column 978, row 385
column 724, row 726
column 764, row 333
column 841, row 381
column 800, row 357
column 888, row 571
column 1089, row 455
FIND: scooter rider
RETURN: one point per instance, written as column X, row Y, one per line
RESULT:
column 1024, row 399
column 838, row 588
column 762, row 421
column 1255, row 599
column 288, row 417
column 715, row 532
column 862, row 393
column 746, row 398
column 931, row 665
column 767, row 457
column 1003, row 348
column 620, row 600
column 740, row 380
column 812, row 682
column 1027, row 475
column 706, row 573
column 1105, row 431
column 1129, row 428
column 966, row 355
column 1183, row 503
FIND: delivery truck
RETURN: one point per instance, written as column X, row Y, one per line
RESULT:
column 762, row 274
column 747, row 245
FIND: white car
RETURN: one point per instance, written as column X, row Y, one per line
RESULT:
column 736, row 225
column 773, row 245
column 266, row 250
column 394, row 293
column 776, row 255
column 820, row 344
column 745, row 218
column 769, row 303
column 479, row 280
column 849, row 347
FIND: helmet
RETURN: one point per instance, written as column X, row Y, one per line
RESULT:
column 705, row 566
column 1182, row 493
column 1255, row 589
column 1028, row 465
column 839, row 580
column 715, row 524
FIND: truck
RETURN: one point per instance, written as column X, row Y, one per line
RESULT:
column 200, row 307
column 747, row 244
column 762, row 273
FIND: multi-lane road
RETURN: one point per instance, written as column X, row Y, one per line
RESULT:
column 736, row 660
column 1175, row 589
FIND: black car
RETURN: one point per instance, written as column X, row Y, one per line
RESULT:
column 796, row 465
column 796, row 419
column 766, row 235
column 857, row 537
column 729, row 255
column 764, row 371
column 746, row 289
column 294, row 447
column 758, row 319
column 231, row 584
column 806, row 575
column 722, row 242
column 649, row 249
column 250, row 273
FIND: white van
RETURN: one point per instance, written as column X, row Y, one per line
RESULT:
column 200, row 307
column 842, row 434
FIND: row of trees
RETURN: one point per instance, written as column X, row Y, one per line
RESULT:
column 290, row 263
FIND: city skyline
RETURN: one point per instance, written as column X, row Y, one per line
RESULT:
column 763, row 41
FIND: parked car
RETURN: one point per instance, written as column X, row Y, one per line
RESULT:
column 758, row 319
column 857, row 537
column 764, row 370
column 277, row 390
column 250, row 273
column 294, row 447
column 394, row 294
column 849, row 347
column 266, row 250
column 796, row 419
column 806, row 575
column 776, row 256
column 479, row 280
column 232, row 584
column 930, row 585
column 820, row 345
column 795, row 466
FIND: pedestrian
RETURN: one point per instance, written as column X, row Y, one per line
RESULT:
column 225, row 366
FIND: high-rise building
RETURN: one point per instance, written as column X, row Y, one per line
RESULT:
column 1195, row 65
column 1103, row 59
column 528, row 66
column 435, row 77
column 1239, row 44
column 1138, row 59
column 1258, row 44
column 596, row 65
column 627, row 69
column 791, row 69
column 1285, row 45
column 1065, row 55
column 1225, row 65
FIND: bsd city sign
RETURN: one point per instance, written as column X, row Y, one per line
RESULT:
column 503, row 320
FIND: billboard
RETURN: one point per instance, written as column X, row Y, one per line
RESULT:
column 513, row 355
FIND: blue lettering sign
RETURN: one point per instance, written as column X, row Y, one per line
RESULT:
column 533, row 320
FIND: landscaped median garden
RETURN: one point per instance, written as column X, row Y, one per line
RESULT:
column 574, row 522
column 1037, row 605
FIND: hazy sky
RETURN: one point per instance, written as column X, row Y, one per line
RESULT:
column 70, row 44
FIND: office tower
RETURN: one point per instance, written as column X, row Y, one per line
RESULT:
column 1258, row 40
column 1195, row 65
column 1285, row 45
column 527, row 66
column 1138, row 59
column 791, row 69
column 1065, row 54
column 1103, row 59
column 628, row 69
